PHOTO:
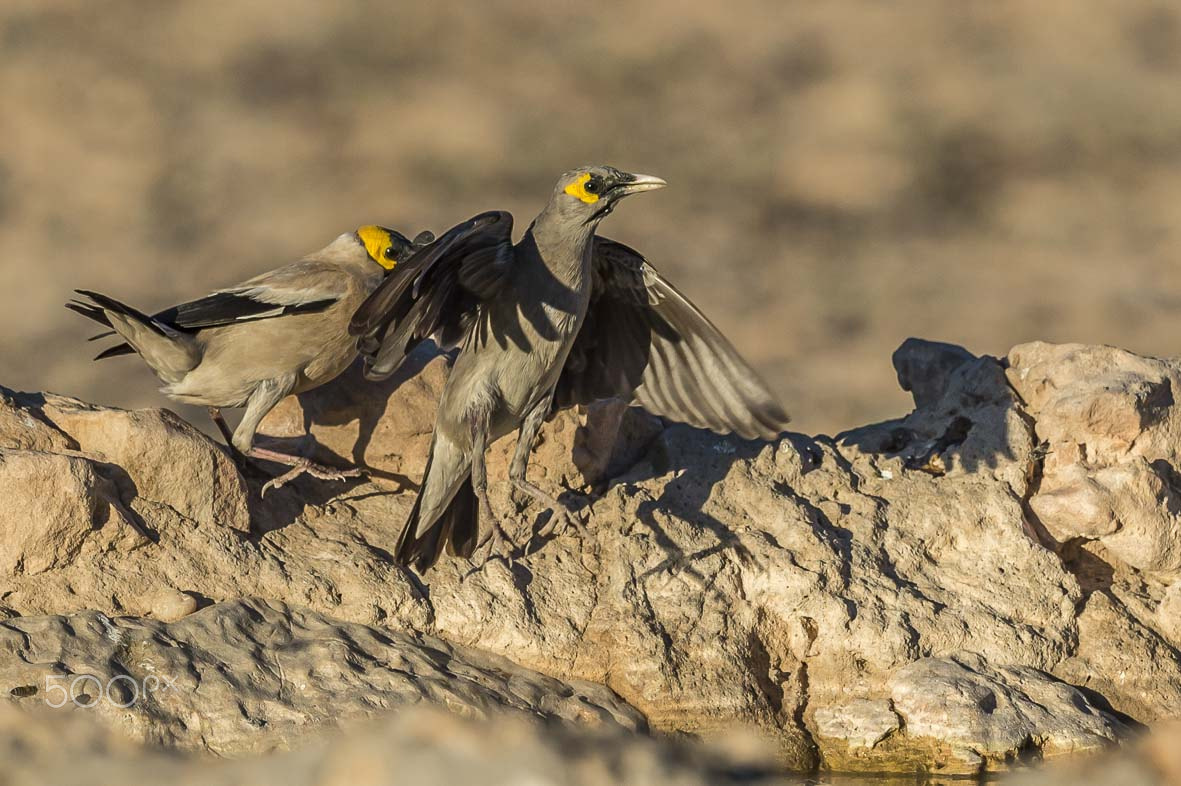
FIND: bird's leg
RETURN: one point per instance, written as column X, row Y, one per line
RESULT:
column 261, row 401
column 526, row 438
column 222, row 426
column 499, row 543
column 561, row 517
column 300, row 465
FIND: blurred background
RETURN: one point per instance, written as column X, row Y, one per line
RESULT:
column 843, row 174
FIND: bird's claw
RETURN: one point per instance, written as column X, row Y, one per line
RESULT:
column 561, row 521
column 498, row 545
column 308, row 467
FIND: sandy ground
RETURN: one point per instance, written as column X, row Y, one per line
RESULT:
column 844, row 175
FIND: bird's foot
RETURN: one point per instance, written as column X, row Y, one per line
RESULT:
column 562, row 518
column 300, row 466
column 498, row 545
column 561, row 521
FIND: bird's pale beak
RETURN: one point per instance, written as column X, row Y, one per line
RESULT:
column 640, row 183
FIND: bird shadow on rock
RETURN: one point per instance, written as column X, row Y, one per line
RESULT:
column 696, row 461
column 125, row 490
column 355, row 398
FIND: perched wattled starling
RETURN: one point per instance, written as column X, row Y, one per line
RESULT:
column 561, row 318
column 283, row 332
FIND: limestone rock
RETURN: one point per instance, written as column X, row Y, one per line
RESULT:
column 1108, row 401
column 960, row 715
column 1168, row 614
column 1112, row 433
column 24, row 427
column 52, row 503
column 163, row 459
column 859, row 724
column 170, row 605
column 924, row 368
column 786, row 587
column 252, row 676
column 1124, row 659
column 1153, row 761
column 996, row 714
column 152, row 457
column 419, row 744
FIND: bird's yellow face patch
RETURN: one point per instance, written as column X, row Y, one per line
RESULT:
column 379, row 244
column 577, row 189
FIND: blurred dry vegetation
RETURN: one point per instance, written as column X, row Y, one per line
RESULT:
column 844, row 174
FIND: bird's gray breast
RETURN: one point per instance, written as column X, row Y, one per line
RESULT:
column 544, row 331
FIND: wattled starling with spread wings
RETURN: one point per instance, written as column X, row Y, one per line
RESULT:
column 560, row 318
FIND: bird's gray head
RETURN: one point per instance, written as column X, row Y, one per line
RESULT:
column 589, row 193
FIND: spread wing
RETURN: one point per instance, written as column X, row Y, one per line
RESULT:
column 645, row 341
column 298, row 288
column 434, row 292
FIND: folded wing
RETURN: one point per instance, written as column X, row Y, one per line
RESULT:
column 645, row 341
column 299, row 288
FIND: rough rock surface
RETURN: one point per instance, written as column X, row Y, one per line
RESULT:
column 904, row 596
column 428, row 747
column 250, row 676
column 1152, row 761
column 421, row 745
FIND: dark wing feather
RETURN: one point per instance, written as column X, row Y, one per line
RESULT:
column 434, row 292
column 227, row 308
column 644, row 341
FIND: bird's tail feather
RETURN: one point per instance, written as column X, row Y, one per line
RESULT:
column 170, row 353
column 456, row 528
column 91, row 311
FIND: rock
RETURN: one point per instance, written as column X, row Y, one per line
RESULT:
column 1112, row 433
column 163, row 459
column 1154, row 761
column 859, row 724
column 1122, row 658
column 421, row 744
column 252, row 676
column 1168, row 614
column 970, row 711
column 1073, row 504
column 152, row 456
column 1011, row 536
column 1108, row 401
column 976, row 427
column 25, row 428
column 924, row 368
column 170, row 605
column 52, row 504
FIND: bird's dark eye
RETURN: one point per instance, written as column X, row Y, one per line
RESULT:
column 594, row 185
column 389, row 252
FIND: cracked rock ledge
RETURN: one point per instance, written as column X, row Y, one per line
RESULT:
column 991, row 581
